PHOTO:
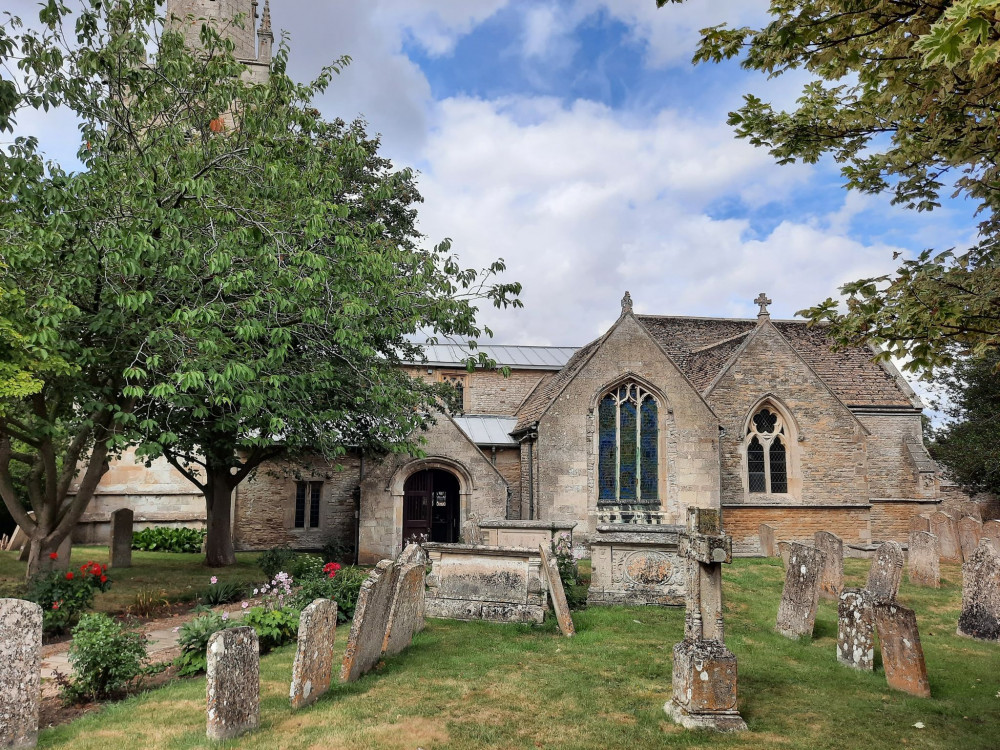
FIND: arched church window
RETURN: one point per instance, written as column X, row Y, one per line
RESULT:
column 766, row 452
column 628, row 459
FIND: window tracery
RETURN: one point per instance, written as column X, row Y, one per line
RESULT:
column 628, row 453
column 766, row 444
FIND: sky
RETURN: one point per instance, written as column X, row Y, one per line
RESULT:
column 576, row 140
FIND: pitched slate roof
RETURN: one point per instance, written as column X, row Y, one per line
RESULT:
column 536, row 403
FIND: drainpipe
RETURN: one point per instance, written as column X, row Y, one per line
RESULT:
column 531, row 479
column 357, row 512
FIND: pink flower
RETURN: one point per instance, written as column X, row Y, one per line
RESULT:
column 176, row 629
column 214, row 580
column 225, row 615
column 245, row 605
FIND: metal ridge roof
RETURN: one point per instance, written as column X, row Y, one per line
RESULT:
column 525, row 357
column 487, row 429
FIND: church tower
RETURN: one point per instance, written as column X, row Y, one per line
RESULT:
column 189, row 15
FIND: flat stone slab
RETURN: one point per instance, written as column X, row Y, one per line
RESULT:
column 406, row 616
column 943, row 526
column 312, row 670
column 704, row 687
column 557, row 593
column 233, row 683
column 886, row 572
column 831, row 581
column 924, row 559
column 902, row 655
column 120, row 546
column 800, row 596
column 980, row 616
column 856, row 630
column 970, row 531
column 20, row 672
column 768, row 540
column 371, row 618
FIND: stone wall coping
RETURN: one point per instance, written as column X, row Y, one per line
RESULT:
column 551, row 525
column 473, row 549
column 140, row 517
column 921, row 500
column 639, row 528
column 636, row 540
column 788, row 506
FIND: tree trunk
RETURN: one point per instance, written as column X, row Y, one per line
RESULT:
column 219, row 550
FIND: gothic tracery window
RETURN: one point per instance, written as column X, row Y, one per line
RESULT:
column 767, row 453
column 628, row 459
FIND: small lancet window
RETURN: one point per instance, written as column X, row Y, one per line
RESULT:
column 628, row 459
column 766, row 453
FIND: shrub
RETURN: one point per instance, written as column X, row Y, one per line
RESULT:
column 275, row 560
column 562, row 550
column 146, row 602
column 193, row 640
column 222, row 593
column 343, row 587
column 306, row 566
column 106, row 656
column 63, row 595
column 164, row 539
column 275, row 627
column 334, row 550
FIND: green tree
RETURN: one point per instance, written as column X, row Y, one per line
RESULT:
column 904, row 95
column 227, row 279
column 967, row 442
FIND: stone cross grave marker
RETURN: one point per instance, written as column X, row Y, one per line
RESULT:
column 20, row 672
column 885, row 572
column 233, row 683
column 312, row 669
column 902, row 655
column 800, row 596
column 944, row 528
column 557, row 593
column 980, row 616
column 705, row 671
column 120, row 548
column 856, row 630
column 920, row 522
column 406, row 613
column 768, row 541
column 924, row 559
column 970, row 530
column 371, row 617
column 831, row 581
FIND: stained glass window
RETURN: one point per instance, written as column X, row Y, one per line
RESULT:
column 300, row 505
column 628, row 456
column 766, row 453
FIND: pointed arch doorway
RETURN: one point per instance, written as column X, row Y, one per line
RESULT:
column 431, row 507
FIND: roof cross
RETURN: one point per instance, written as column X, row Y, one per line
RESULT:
column 626, row 303
column 763, row 301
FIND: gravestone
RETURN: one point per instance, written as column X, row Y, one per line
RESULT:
column 121, row 538
column 704, row 671
column 991, row 530
column 784, row 549
column 902, row 655
column 20, row 672
column 885, row 572
column 312, row 670
column 371, row 618
column 944, row 528
column 970, row 530
column 856, row 630
column 471, row 533
column 972, row 508
column 924, row 559
column 980, row 616
column 920, row 523
column 406, row 615
column 17, row 540
column 412, row 554
column 768, row 541
column 556, row 592
column 831, row 581
column 233, row 683
column 800, row 596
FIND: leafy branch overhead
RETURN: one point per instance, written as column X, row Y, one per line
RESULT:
column 904, row 96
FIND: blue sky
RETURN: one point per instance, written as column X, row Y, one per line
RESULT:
column 577, row 141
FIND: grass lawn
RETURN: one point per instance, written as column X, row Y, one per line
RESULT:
column 169, row 576
column 478, row 685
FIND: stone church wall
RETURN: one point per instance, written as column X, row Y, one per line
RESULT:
column 488, row 392
column 891, row 469
column 794, row 525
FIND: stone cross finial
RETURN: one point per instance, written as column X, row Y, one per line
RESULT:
column 265, row 24
column 763, row 301
column 626, row 303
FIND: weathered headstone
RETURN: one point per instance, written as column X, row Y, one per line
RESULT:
column 121, row 538
column 902, row 655
column 768, row 541
column 556, row 592
column 233, row 683
column 924, row 559
column 980, row 616
column 970, row 530
column 944, row 528
column 312, row 670
column 991, row 530
column 705, row 671
column 885, row 572
column 406, row 615
column 17, row 540
column 412, row 554
column 856, row 630
column 972, row 508
column 921, row 522
column 831, row 581
column 20, row 672
column 471, row 533
column 371, row 617
column 800, row 596
column 785, row 550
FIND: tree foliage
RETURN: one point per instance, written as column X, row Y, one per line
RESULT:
column 228, row 278
column 904, row 96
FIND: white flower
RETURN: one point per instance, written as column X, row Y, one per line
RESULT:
column 225, row 615
column 255, row 592
column 245, row 605
column 919, row 725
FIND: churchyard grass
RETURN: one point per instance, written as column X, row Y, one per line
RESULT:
column 480, row 685
column 157, row 576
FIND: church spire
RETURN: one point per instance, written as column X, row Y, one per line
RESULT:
column 265, row 36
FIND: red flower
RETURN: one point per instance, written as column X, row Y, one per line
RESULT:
column 69, row 576
column 331, row 569
column 53, row 555
column 104, row 579
column 55, row 605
